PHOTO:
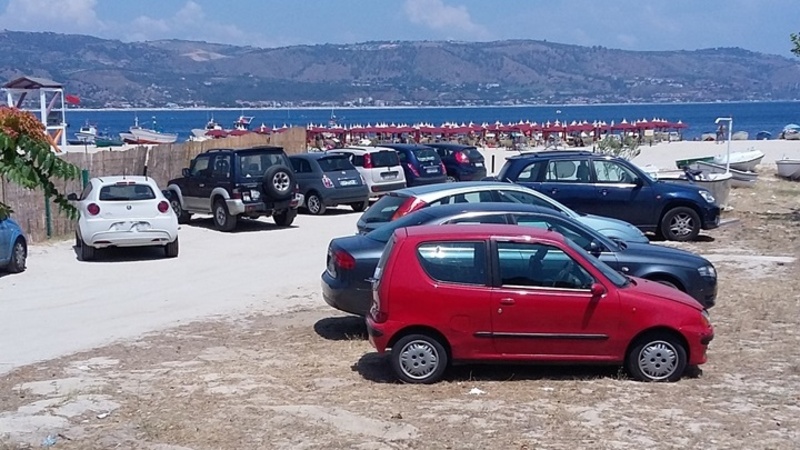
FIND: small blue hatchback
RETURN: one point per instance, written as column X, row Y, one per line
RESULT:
column 13, row 246
column 421, row 164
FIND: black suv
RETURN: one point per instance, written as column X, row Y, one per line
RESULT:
column 227, row 183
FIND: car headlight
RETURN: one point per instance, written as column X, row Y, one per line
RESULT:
column 707, row 196
column 707, row 271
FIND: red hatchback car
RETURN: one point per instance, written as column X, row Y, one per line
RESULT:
column 494, row 293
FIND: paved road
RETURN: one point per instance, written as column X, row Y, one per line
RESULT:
column 61, row 305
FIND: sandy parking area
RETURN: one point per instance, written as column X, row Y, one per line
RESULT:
column 276, row 368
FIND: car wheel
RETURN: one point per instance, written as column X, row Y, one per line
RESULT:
column 451, row 179
column 183, row 216
column 171, row 249
column 419, row 359
column 314, row 204
column 285, row 218
column 222, row 219
column 19, row 257
column 278, row 183
column 657, row 357
column 680, row 224
column 359, row 206
column 87, row 252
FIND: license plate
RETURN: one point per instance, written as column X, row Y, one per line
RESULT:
column 348, row 182
column 479, row 164
column 389, row 175
column 432, row 170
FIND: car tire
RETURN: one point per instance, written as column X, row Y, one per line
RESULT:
column 183, row 216
column 315, row 205
column 87, row 252
column 680, row 224
column 451, row 179
column 359, row 206
column 657, row 357
column 278, row 183
column 419, row 359
column 285, row 218
column 222, row 218
column 171, row 249
column 19, row 257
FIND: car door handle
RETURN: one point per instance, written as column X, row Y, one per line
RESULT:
column 554, row 191
column 507, row 301
column 604, row 191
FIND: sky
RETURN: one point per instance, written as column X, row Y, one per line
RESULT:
column 758, row 25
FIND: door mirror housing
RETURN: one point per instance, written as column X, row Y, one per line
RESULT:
column 595, row 249
column 598, row 290
column 638, row 181
column 185, row 173
column 73, row 197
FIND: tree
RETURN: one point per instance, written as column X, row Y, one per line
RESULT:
column 795, row 37
column 626, row 147
column 26, row 158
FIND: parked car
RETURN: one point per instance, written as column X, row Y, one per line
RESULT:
column 329, row 179
column 13, row 246
column 421, row 164
column 399, row 203
column 600, row 184
column 351, row 260
column 124, row 211
column 229, row 184
column 380, row 167
column 463, row 162
column 500, row 293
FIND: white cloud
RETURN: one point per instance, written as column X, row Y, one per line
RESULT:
column 191, row 23
column 438, row 16
column 66, row 16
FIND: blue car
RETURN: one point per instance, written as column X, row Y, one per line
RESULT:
column 421, row 164
column 463, row 162
column 595, row 183
column 13, row 246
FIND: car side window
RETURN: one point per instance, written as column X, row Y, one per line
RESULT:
column 530, row 173
column 485, row 218
column 524, row 198
column 222, row 167
column 402, row 156
column 296, row 165
column 613, row 172
column 469, row 197
column 454, row 262
column 200, row 166
column 568, row 230
column 567, row 171
column 540, row 265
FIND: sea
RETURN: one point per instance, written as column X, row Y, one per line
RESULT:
column 751, row 117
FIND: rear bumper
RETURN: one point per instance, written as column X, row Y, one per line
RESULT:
column 470, row 173
column 345, row 298
column 419, row 181
column 340, row 196
column 380, row 188
column 237, row 207
column 105, row 239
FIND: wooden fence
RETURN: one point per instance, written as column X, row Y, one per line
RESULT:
column 163, row 163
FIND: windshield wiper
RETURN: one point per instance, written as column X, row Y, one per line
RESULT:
column 622, row 244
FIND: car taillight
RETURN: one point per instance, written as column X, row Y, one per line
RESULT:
column 367, row 161
column 236, row 194
column 327, row 182
column 412, row 169
column 410, row 205
column 163, row 206
column 344, row 260
column 461, row 157
column 93, row 209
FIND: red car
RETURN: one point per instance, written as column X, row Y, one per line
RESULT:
column 495, row 293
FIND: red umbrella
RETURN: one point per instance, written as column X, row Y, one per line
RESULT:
column 238, row 132
column 216, row 133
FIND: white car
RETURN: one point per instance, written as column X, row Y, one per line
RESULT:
column 379, row 166
column 124, row 211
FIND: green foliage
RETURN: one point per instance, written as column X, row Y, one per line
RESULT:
column 626, row 147
column 795, row 37
column 27, row 160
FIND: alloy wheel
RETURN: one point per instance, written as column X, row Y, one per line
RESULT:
column 681, row 225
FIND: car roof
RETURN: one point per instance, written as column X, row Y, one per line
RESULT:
column 243, row 150
column 442, row 189
column 118, row 178
column 550, row 154
column 449, row 145
column 316, row 155
column 364, row 149
column 407, row 147
column 480, row 231
column 489, row 207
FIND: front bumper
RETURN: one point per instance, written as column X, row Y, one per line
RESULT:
column 711, row 218
column 704, row 290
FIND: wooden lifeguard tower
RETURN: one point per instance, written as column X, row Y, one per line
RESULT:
column 52, row 108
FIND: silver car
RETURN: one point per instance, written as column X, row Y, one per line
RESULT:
column 399, row 203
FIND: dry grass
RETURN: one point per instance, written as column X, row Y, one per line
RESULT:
column 310, row 380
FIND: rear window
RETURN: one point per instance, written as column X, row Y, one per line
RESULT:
column 126, row 193
column 385, row 159
column 473, row 154
column 384, row 233
column 253, row 165
column 454, row 262
column 426, row 155
column 383, row 209
column 335, row 163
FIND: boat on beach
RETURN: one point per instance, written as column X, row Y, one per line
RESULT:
column 86, row 134
column 719, row 184
column 789, row 168
column 200, row 133
column 791, row 132
column 745, row 161
column 140, row 135
column 740, row 178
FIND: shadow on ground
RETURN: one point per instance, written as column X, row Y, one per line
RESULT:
column 341, row 328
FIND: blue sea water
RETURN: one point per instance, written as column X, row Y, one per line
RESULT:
column 751, row 117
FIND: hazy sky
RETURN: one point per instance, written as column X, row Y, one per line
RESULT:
column 759, row 25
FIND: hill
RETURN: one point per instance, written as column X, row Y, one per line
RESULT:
column 110, row 73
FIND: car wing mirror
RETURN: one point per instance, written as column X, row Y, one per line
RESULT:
column 595, row 249
column 72, row 197
column 598, row 290
column 638, row 181
column 185, row 172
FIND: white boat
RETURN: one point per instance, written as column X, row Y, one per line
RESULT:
column 789, row 168
column 740, row 136
column 791, row 132
column 741, row 178
column 201, row 132
column 744, row 161
column 147, row 135
column 87, row 134
column 719, row 184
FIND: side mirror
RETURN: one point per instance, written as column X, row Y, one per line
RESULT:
column 185, row 172
column 72, row 197
column 638, row 182
column 595, row 249
column 598, row 290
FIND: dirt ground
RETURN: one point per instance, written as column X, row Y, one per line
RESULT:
column 309, row 379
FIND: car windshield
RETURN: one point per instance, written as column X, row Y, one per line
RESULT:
column 126, row 192
column 613, row 276
column 335, row 163
column 426, row 155
column 384, row 233
column 383, row 209
column 385, row 158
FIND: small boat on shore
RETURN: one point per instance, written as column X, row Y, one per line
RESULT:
column 140, row 135
column 745, row 161
column 763, row 135
column 791, row 132
column 87, row 134
column 789, row 168
column 741, row 178
column 740, row 136
column 200, row 133
column 719, row 184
